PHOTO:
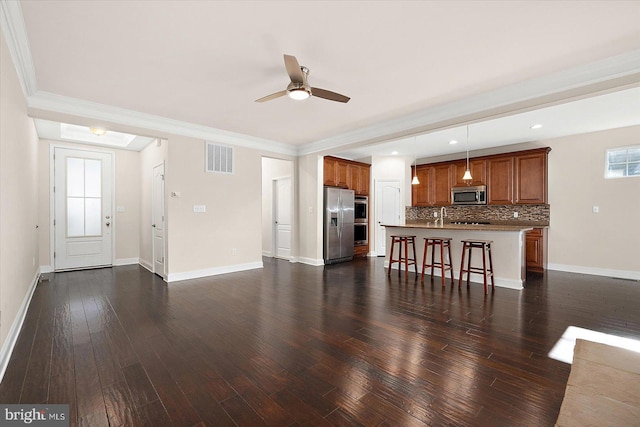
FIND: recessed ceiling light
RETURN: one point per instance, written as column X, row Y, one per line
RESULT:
column 453, row 141
column 98, row 131
column 536, row 126
column 395, row 153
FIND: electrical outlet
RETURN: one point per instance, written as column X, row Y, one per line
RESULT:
column 310, row 209
column 120, row 209
column 435, row 214
column 234, row 251
column 515, row 214
column 199, row 208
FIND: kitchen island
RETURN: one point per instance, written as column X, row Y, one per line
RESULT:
column 508, row 248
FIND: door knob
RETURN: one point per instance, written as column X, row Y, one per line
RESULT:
column 153, row 225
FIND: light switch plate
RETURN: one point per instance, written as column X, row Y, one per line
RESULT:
column 595, row 209
column 120, row 209
column 199, row 208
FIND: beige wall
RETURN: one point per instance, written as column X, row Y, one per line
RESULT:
column 271, row 168
column 228, row 235
column 18, row 202
column 579, row 240
column 127, row 195
column 150, row 157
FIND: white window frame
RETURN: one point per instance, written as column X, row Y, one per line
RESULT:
column 606, row 161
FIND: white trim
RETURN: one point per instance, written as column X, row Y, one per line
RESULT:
column 78, row 107
column 310, row 261
column 126, row 261
column 499, row 282
column 145, row 264
column 596, row 271
column 14, row 332
column 268, row 254
column 195, row 274
column 44, row 269
column 15, row 32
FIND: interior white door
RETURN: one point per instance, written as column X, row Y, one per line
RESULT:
column 282, row 217
column 157, row 218
column 387, row 210
column 83, row 220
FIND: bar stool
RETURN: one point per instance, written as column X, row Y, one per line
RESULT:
column 443, row 265
column 403, row 241
column 485, row 246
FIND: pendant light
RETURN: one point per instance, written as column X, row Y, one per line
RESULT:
column 467, row 173
column 415, row 180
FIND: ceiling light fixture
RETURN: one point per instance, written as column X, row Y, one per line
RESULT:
column 395, row 153
column 415, row 180
column 299, row 94
column 453, row 141
column 536, row 126
column 98, row 131
column 467, row 173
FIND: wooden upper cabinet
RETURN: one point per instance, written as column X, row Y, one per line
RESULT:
column 442, row 184
column 500, row 180
column 422, row 194
column 531, row 177
column 478, row 169
column 346, row 174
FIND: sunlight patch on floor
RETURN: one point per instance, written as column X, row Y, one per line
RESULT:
column 563, row 350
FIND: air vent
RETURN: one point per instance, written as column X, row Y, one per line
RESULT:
column 219, row 158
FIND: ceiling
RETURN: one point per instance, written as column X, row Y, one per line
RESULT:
column 410, row 68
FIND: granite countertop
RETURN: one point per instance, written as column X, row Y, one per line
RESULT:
column 480, row 227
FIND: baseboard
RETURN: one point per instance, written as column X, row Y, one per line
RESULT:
column 595, row 271
column 145, row 264
column 195, row 274
column 499, row 281
column 126, row 261
column 46, row 269
column 311, row 261
column 268, row 254
column 12, row 336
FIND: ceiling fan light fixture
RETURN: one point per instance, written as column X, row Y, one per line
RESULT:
column 299, row 94
column 98, row 131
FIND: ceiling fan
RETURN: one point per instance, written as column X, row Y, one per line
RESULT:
column 299, row 87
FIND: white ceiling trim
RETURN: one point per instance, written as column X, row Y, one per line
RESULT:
column 618, row 70
column 77, row 107
column 15, row 33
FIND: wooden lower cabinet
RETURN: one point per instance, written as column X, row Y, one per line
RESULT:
column 536, row 250
column 360, row 250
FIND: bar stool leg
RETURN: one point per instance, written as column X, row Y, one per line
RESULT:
column 484, row 268
column 415, row 262
column 464, row 252
column 442, row 270
column 424, row 259
column 470, row 248
column 491, row 266
column 406, row 259
column 451, row 264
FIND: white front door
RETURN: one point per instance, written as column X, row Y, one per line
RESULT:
column 387, row 211
column 282, row 217
column 83, row 219
column 157, row 218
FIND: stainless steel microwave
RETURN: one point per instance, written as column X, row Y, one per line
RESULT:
column 469, row 195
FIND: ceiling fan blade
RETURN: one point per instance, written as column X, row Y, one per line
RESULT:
column 272, row 96
column 293, row 69
column 327, row 94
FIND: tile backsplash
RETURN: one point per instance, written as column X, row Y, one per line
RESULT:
column 538, row 214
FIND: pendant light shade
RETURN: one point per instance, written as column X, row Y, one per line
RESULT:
column 467, row 173
column 415, row 180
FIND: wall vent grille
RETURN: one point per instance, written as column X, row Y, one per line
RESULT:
column 219, row 158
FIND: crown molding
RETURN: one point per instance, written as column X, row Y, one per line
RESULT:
column 45, row 101
column 617, row 71
column 15, row 33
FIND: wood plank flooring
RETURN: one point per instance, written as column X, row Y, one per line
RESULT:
column 293, row 345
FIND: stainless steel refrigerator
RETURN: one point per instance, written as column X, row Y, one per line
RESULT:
column 338, row 224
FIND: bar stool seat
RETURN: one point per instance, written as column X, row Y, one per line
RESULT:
column 485, row 246
column 403, row 240
column 442, row 264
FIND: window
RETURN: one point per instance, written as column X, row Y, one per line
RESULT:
column 219, row 158
column 623, row 162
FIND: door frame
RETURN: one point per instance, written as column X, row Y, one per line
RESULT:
column 274, row 207
column 52, row 196
column 376, row 184
column 164, row 233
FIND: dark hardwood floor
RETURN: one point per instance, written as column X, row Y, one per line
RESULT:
column 297, row 345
